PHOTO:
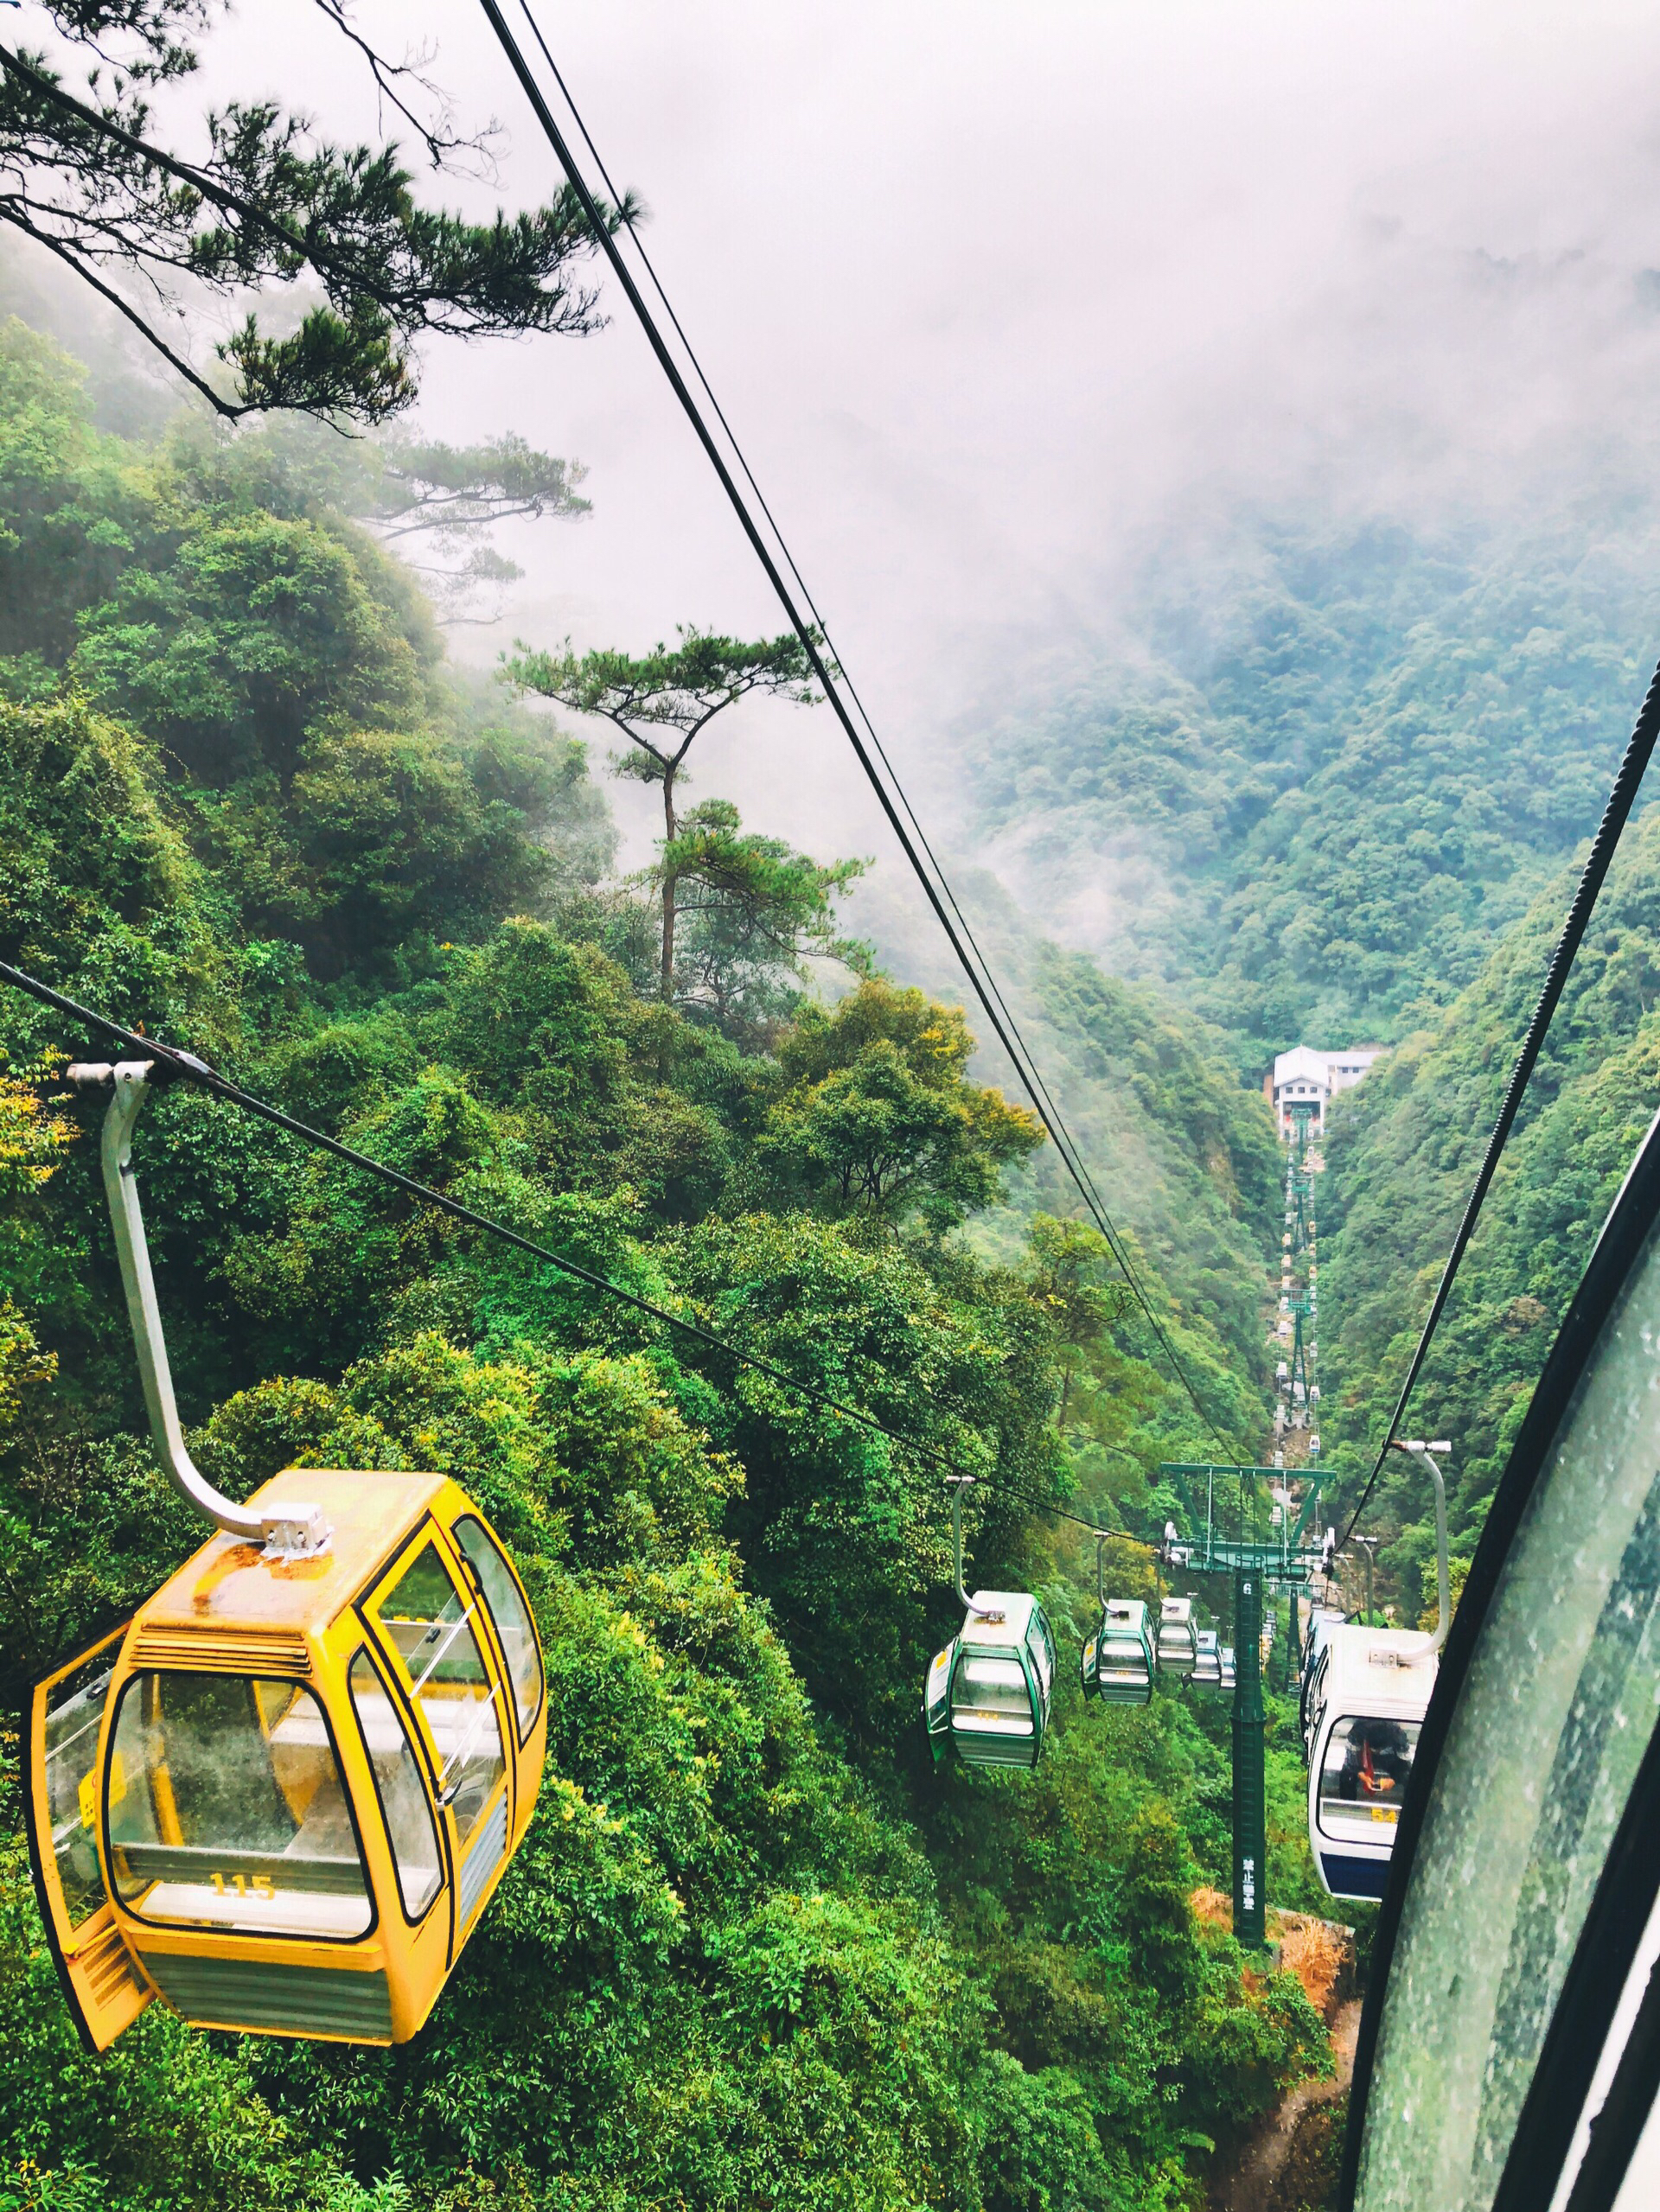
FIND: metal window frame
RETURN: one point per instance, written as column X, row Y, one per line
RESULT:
column 206, row 1931
column 500, row 1552
column 377, row 1668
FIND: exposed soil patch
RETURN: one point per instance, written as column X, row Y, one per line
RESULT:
column 1289, row 2165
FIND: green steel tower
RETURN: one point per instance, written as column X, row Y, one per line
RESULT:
column 1250, row 1809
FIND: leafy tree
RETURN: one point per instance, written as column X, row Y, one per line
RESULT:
column 1076, row 1282
column 880, row 1121
column 662, row 701
column 272, row 205
column 451, row 497
column 748, row 911
column 256, row 633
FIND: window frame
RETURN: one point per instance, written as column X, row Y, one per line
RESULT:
column 411, row 1737
column 203, row 1930
column 1016, row 1655
column 522, row 1737
column 430, row 1530
column 1324, row 1738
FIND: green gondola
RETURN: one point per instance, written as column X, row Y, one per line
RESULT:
column 1119, row 1661
column 1176, row 1649
column 988, row 1693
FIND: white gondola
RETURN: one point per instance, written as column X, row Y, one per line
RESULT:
column 1207, row 1658
column 1229, row 1668
column 1313, row 1443
column 1364, row 1705
column 1176, row 1649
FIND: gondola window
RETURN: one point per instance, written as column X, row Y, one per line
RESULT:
column 410, row 1827
column 225, row 1809
column 432, row 1628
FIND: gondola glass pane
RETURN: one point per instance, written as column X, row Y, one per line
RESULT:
column 513, row 1627
column 225, row 1809
column 1124, row 1660
column 410, row 1824
column 1042, row 1652
column 991, row 1695
column 1543, row 1746
column 71, row 1724
column 432, row 1628
column 1363, row 1778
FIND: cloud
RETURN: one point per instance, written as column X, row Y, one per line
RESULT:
column 1002, row 294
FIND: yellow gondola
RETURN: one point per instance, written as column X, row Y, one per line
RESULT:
column 281, row 1795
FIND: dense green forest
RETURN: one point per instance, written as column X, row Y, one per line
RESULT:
column 1325, row 767
column 756, row 1951
column 1332, row 790
column 1403, row 1152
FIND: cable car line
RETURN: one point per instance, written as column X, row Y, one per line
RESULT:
column 1621, row 799
column 815, row 646
column 188, row 1067
column 984, row 979
column 1033, row 1072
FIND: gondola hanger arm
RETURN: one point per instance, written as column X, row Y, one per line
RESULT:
column 294, row 1531
column 958, row 1484
column 1425, row 1454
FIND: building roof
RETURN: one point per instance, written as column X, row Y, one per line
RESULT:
column 1307, row 1063
column 1301, row 1064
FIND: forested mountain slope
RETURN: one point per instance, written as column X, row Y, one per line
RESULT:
column 1403, row 1154
column 1322, row 767
column 754, row 1951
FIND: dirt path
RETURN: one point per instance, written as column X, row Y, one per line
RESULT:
column 1247, row 2188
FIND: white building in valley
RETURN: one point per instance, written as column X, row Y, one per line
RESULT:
column 1304, row 1077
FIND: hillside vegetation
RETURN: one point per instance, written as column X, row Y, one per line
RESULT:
column 1327, row 768
column 755, row 1952
column 1403, row 1152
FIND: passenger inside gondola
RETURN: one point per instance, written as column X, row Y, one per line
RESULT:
column 1367, row 1766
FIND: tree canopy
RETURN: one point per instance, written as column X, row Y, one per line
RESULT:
column 753, row 1950
column 95, row 179
column 662, row 701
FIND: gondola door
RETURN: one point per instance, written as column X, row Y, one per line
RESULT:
column 428, row 1613
column 66, row 1716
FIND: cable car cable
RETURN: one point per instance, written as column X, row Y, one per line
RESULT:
column 984, row 979
column 1076, row 1164
column 1615, row 815
column 190, row 1068
column 812, row 638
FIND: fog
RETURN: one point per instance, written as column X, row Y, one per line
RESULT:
column 999, row 297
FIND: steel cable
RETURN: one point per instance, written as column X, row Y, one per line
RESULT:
column 815, row 644
column 1615, row 815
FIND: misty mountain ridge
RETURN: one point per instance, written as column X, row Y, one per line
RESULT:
column 1341, row 761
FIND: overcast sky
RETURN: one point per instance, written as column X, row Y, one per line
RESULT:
column 998, row 292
